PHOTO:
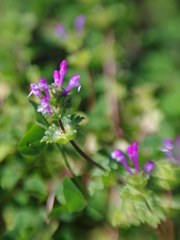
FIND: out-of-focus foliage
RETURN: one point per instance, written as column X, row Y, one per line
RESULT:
column 128, row 59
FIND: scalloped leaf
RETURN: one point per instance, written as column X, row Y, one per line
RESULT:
column 55, row 135
column 129, row 206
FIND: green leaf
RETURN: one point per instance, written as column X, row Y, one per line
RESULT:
column 35, row 184
column 74, row 198
column 77, row 120
column 166, row 174
column 31, row 142
column 129, row 206
column 95, row 184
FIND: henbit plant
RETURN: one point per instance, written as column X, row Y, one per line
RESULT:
column 134, row 195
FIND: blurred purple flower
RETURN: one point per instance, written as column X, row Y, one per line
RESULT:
column 133, row 152
column 79, row 23
column 148, row 167
column 172, row 149
column 73, row 83
column 118, row 155
column 167, row 148
column 61, row 30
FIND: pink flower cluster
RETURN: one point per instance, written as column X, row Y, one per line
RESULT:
column 41, row 89
column 133, row 154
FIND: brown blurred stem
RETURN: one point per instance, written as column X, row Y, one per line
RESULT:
column 80, row 151
column 110, row 71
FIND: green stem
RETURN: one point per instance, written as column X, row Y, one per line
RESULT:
column 74, row 179
column 80, row 151
column 66, row 161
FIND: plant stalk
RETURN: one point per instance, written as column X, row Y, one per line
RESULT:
column 80, row 151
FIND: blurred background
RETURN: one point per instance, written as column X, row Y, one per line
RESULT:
column 127, row 53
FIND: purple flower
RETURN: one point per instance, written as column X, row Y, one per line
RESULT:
column 59, row 75
column 40, row 88
column 43, row 84
column 167, row 148
column 133, row 152
column 34, row 90
column 45, row 106
column 172, row 149
column 148, row 167
column 56, row 77
column 119, row 157
column 41, row 91
column 73, row 83
column 63, row 68
column 79, row 23
column 61, row 30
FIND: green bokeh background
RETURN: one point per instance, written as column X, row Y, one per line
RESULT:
column 128, row 59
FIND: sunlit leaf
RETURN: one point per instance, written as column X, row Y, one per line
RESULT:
column 31, row 142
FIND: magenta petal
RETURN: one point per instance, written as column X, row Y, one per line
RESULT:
column 133, row 152
column 43, row 84
column 63, row 67
column 56, row 77
column 73, row 83
column 62, row 72
column 118, row 155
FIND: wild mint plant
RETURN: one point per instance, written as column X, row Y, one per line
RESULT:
column 133, row 197
column 53, row 103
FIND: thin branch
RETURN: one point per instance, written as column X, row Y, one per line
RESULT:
column 66, row 161
column 80, row 151
column 85, row 156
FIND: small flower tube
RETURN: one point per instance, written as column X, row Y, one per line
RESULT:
column 118, row 155
column 133, row 152
column 73, row 83
column 59, row 75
